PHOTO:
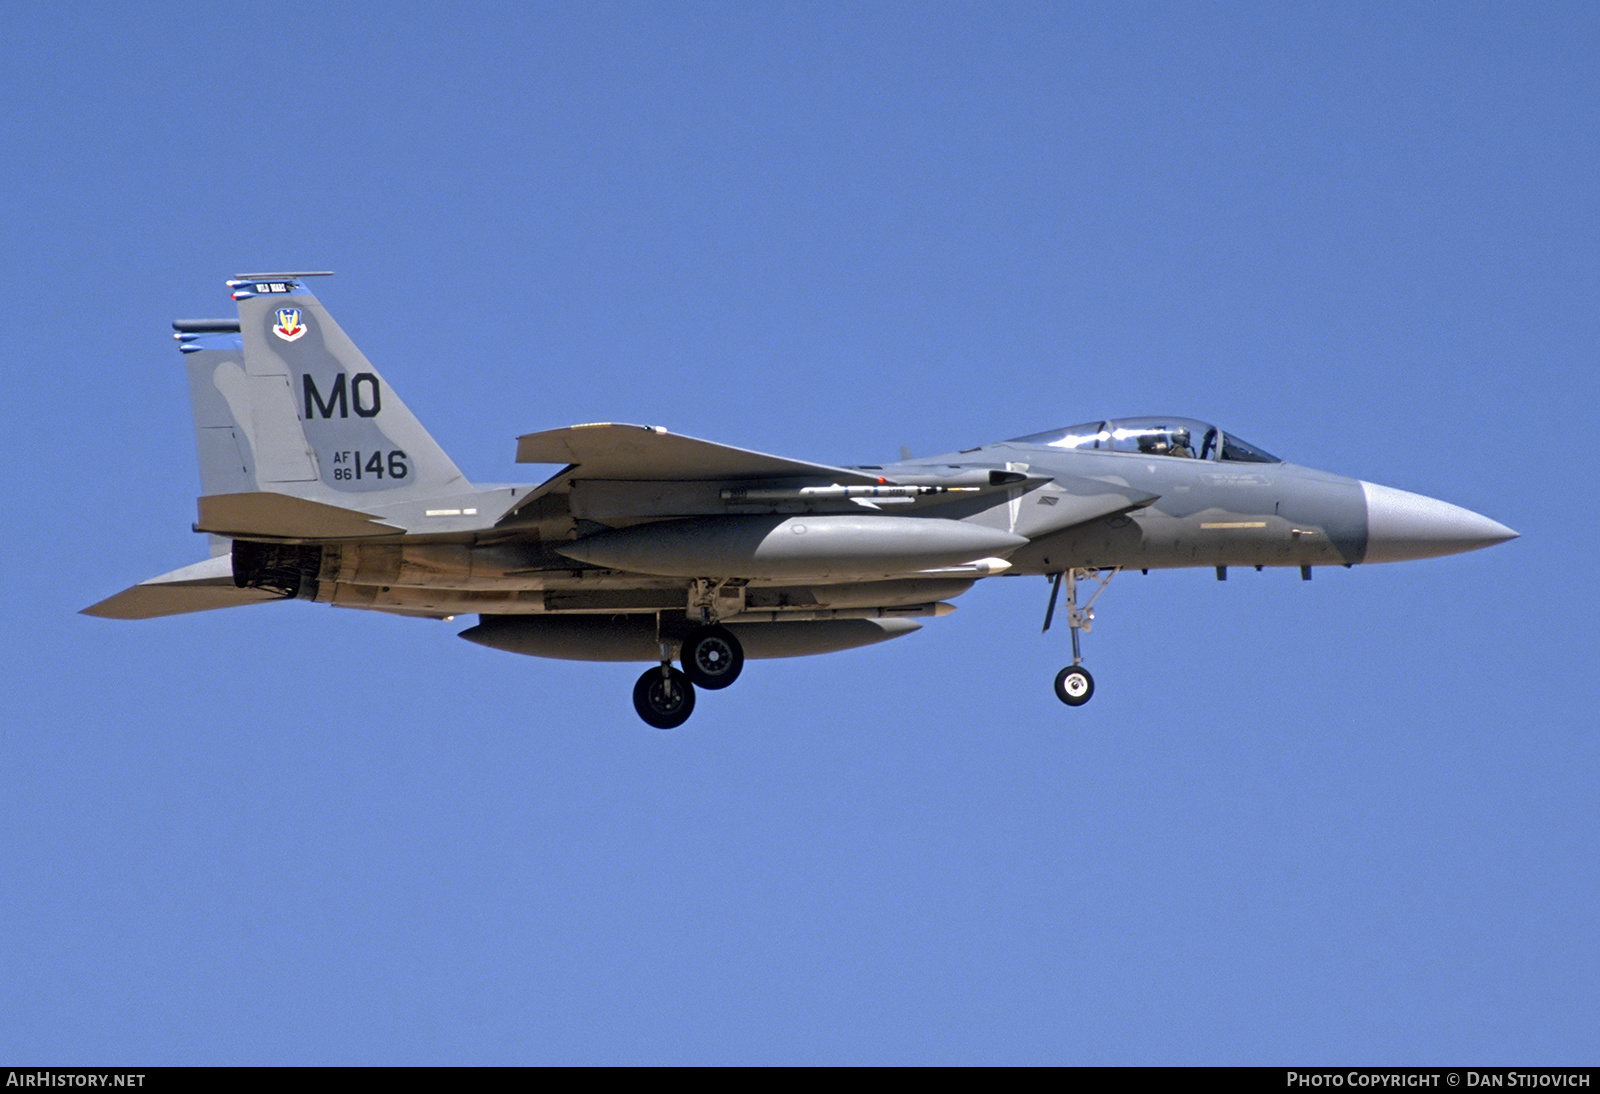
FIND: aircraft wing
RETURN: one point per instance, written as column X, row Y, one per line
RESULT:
column 644, row 453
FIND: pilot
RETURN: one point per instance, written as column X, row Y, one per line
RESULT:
column 1180, row 444
column 1153, row 444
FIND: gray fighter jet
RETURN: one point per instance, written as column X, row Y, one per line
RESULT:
column 319, row 484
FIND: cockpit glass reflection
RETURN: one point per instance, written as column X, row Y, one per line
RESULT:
column 1090, row 435
column 1180, row 438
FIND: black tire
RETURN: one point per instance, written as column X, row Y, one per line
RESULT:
column 712, row 657
column 663, row 700
column 1074, row 685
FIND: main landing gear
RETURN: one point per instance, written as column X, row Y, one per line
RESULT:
column 1074, row 685
column 712, row 659
column 664, row 697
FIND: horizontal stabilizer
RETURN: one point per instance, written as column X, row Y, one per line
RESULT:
column 642, row 453
column 202, row 587
column 261, row 515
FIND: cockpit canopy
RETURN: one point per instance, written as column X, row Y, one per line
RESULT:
column 1181, row 437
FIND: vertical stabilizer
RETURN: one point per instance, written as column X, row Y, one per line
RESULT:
column 214, row 353
column 285, row 403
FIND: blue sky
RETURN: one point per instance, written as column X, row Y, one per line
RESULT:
column 1349, row 821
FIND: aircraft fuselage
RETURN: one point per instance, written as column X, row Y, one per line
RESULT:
column 319, row 484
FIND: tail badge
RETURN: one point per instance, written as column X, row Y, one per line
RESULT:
column 289, row 326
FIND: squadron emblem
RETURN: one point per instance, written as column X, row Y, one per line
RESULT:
column 289, row 326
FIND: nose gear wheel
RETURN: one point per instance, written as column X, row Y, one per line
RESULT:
column 1074, row 685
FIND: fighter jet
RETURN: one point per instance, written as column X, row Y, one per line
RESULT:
column 318, row 484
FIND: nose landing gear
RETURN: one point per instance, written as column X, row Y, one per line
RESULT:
column 1074, row 685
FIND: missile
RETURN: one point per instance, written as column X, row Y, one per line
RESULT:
column 835, row 547
column 907, row 487
column 835, row 492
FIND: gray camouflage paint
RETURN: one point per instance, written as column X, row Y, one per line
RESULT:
column 329, row 489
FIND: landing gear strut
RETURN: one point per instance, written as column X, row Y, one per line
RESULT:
column 1074, row 685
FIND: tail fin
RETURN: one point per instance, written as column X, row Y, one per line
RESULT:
column 284, row 403
column 299, row 438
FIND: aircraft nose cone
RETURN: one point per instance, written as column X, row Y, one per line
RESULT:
column 1402, row 525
